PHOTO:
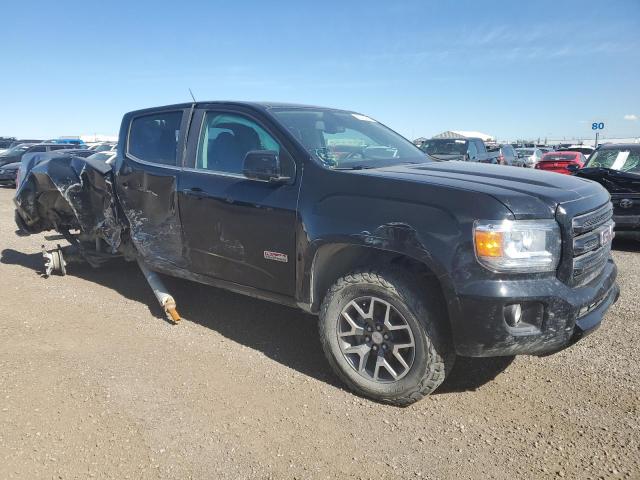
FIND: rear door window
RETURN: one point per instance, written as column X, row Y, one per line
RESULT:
column 154, row 138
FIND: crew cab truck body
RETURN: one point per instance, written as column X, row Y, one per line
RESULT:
column 407, row 262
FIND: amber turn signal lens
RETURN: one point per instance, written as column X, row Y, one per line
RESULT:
column 489, row 244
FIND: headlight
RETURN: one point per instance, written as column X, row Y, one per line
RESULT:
column 517, row 246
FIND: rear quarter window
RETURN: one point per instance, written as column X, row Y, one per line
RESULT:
column 154, row 137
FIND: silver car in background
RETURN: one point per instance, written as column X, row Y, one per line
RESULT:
column 529, row 156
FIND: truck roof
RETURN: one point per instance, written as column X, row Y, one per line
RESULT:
column 255, row 105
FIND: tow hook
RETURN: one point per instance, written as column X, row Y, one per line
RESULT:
column 160, row 291
column 54, row 261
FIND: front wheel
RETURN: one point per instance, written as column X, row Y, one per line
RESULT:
column 385, row 338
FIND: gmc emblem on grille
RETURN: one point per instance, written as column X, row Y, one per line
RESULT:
column 606, row 236
column 626, row 203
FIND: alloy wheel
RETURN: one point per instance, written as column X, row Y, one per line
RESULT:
column 376, row 339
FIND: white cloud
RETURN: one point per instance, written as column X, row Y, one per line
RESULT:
column 631, row 117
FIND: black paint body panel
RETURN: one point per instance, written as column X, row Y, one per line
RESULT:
column 274, row 241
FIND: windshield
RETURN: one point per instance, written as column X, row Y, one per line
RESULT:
column 525, row 153
column 347, row 140
column 16, row 150
column 445, row 146
column 102, row 148
column 622, row 160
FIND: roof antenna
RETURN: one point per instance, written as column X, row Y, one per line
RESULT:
column 194, row 98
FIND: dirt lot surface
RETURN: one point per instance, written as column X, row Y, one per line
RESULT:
column 94, row 383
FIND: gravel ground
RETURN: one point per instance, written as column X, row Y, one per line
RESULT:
column 94, row 383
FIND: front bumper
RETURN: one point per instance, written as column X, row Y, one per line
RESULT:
column 555, row 315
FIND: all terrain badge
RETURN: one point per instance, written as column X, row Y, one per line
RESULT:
column 276, row 256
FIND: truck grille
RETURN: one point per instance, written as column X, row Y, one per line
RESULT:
column 592, row 234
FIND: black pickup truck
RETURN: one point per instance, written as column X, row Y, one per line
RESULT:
column 407, row 262
column 464, row 149
column 617, row 168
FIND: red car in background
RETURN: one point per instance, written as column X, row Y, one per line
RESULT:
column 560, row 161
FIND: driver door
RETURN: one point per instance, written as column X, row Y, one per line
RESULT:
column 237, row 229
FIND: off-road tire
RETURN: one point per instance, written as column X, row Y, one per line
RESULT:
column 422, row 307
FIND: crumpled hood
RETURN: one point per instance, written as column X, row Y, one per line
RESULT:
column 528, row 193
column 613, row 180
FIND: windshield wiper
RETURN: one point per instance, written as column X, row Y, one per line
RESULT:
column 611, row 170
column 355, row 167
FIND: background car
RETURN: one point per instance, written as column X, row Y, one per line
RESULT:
column 507, row 155
column 20, row 141
column 103, row 147
column 560, row 162
column 15, row 154
column 5, row 143
column 70, row 141
column 529, row 156
column 8, row 174
column 464, row 149
column 617, row 168
column 106, row 157
column 584, row 149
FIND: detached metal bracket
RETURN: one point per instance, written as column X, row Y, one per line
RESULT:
column 54, row 261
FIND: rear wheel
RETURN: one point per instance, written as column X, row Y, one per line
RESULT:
column 383, row 338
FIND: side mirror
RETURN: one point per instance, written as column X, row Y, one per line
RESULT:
column 263, row 165
column 573, row 167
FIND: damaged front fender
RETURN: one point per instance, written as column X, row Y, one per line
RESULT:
column 70, row 193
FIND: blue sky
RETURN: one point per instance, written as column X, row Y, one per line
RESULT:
column 512, row 69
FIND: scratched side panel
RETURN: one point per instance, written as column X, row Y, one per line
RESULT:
column 148, row 199
column 430, row 223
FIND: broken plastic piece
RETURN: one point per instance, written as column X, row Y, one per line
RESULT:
column 54, row 261
column 160, row 291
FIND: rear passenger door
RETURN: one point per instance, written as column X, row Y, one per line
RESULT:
column 146, row 184
column 237, row 229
